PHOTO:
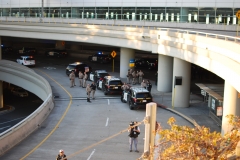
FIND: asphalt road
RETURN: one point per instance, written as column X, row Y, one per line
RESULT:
column 87, row 131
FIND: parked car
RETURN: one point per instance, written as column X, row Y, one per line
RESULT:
column 147, row 63
column 100, row 57
column 56, row 53
column 26, row 61
column 6, row 49
column 19, row 92
column 136, row 97
column 78, row 66
column 27, row 51
column 95, row 76
column 110, row 85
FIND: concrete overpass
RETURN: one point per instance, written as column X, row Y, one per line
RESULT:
column 176, row 50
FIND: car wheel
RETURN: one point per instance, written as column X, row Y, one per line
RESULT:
column 130, row 105
column 122, row 99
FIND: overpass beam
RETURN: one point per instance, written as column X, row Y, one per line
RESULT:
column 231, row 105
column 165, row 73
column 125, row 55
column 181, row 93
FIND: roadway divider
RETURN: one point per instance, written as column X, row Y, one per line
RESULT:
column 20, row 75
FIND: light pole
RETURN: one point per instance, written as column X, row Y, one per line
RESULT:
column 41, row 19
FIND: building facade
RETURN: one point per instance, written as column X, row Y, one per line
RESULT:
column 182, row 11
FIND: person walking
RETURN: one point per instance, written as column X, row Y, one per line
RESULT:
column 156, row 77
column 134, row 131
column 149, row 86
column 72, row 78
column 80, row 75
column 85, row 80
column 88, row 90
column 61, row 155
column 93, row 87
column 140, row 75
column 143, row 84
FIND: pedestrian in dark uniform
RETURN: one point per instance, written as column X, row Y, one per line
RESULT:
column 93, row 87
column 61, row 155
column 80, row 78
column 149, row 86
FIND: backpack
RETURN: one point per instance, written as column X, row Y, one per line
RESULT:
column 134, row 134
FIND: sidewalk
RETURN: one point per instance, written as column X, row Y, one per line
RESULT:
column 197, row 111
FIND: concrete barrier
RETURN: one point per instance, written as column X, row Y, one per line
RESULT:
column 29, row 80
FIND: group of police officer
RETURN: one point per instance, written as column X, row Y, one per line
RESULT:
column 83, row 83
column 134, row 77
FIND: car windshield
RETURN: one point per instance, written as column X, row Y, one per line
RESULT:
column 143, row 95
column 115, row 83
column 71, row 67
column 103, row 74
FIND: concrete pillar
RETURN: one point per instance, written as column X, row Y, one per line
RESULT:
column 1, row 83
column 125, row 55
column 165, row 73
column 181, row 93
column 1, row 94
column 60, row 45
column 231, row 105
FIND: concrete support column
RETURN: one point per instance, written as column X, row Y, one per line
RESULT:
column 165, row 73
column 1, row 83
column 60, row 45
column 125, row 55
column 1, row 94
column 231, row 105
column 181, row 93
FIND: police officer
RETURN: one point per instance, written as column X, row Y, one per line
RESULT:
column 143, row 84
column 72, row 78
column 80, row 75
column 130, row 76
column 93, row 87
column 140, row 75
column 125, row 87
column 85, row 79
column 88, row 90
column 149, row 86
column 134, row 77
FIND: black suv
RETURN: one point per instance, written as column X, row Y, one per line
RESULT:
column 147, row 63
column 95, row 76
column 101, row 58
column 110, row 85
column 78, row 66
column 136, row 97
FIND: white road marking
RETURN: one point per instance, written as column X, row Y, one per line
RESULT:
column 5, row 127
column 108, row 102
column 107, row 122
column 12, row 120
column 91, row 154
